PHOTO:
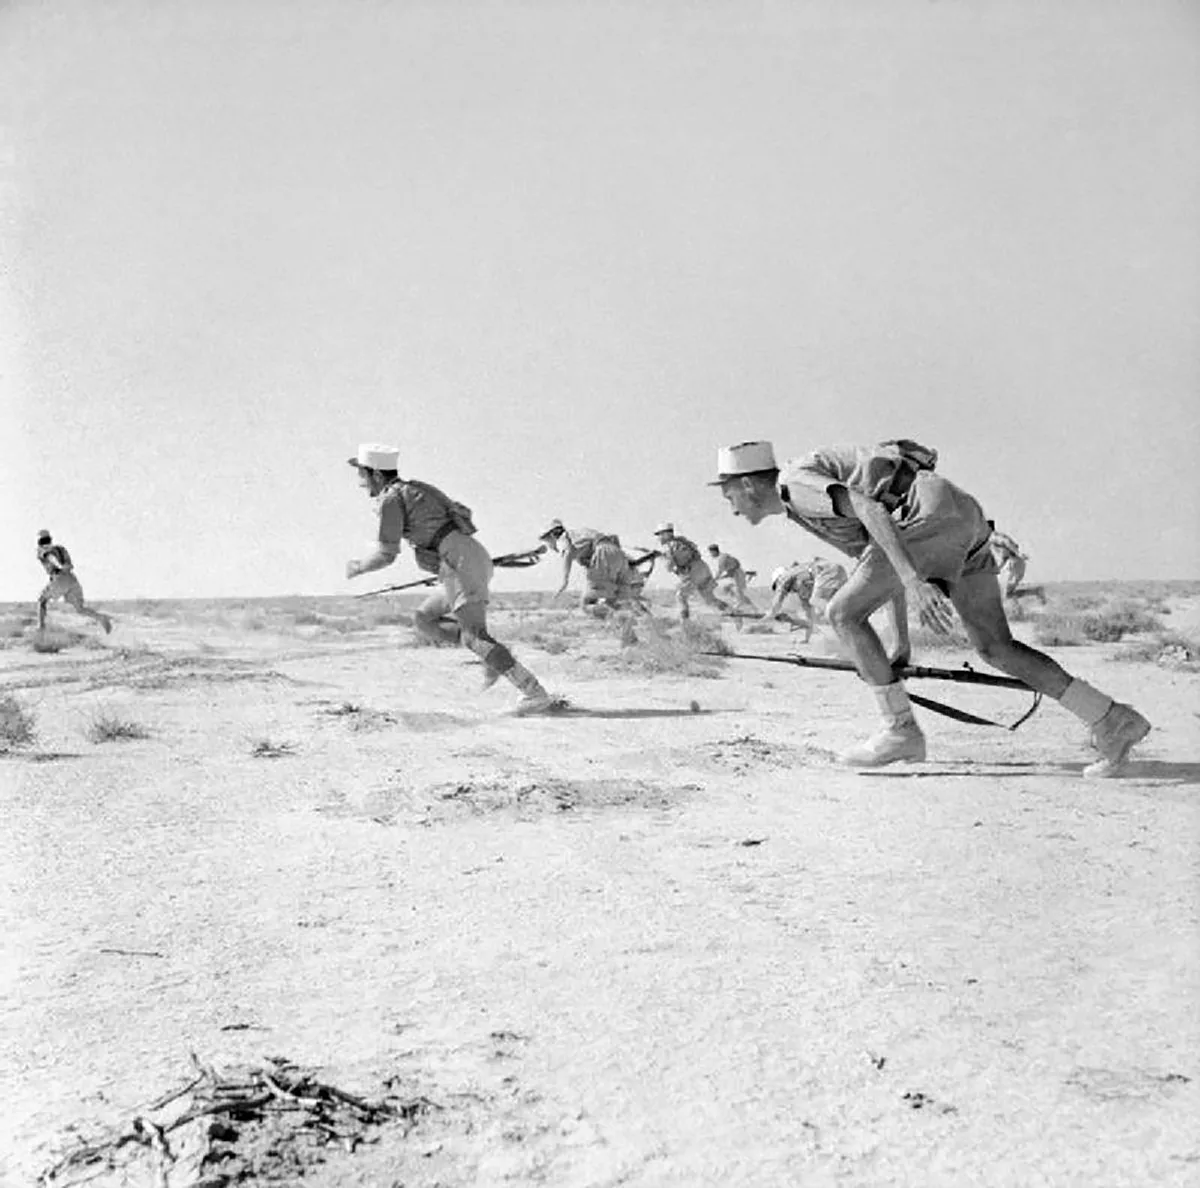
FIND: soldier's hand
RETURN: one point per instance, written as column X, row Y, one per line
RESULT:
column 353, row 569
column 933, row 608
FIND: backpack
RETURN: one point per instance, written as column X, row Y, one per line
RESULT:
column 685, row 554
column 459, row 514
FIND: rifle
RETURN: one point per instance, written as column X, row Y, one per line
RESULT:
column 965, row 675
column 648, row 555
column 519, row 560
column 504, row 561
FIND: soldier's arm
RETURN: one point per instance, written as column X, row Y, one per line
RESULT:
column 391, row 532
column 933, row 607
column 566, row 570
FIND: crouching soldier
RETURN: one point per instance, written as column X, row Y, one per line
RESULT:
column 442, row 536
column 914, row 535
column 63, row 583
column 792, row 581
column 608, row 581
column 695, row 578
column 730, row 578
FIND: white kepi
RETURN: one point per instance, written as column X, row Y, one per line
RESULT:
column 665, row 526
column 372, row 456
column 744, row 458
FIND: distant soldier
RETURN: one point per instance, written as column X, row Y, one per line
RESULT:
column 608, row 581
column 730, row 578
column 695, row 578
column 63, row 583
column 442, row 536
column 792, row 581
column 1008, row 556
column 813, row 584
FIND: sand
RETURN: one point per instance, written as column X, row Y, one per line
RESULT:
column 642, row 946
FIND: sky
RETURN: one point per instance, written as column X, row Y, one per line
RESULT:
column 559, row 253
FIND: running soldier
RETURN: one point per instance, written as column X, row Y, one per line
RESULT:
column 609, row 582
column 63, row 583
column 913, row 534
column 695, row 578
column 730, row 578
column 442, row 536
column 1007, row 554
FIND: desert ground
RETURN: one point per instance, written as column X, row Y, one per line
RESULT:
column 663, row 940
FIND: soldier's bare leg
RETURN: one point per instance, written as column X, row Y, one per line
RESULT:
column 427, row 619
column 499, row 661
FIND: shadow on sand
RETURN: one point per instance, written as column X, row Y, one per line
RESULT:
column 580, row 711
column 1158, row 770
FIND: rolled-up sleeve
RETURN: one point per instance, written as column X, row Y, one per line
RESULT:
column 391, row 522
column 870, row 472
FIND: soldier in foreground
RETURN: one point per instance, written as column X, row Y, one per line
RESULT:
column 608, row 581
column 730, row 578
column 1008, row 555
column 442, row 536
column 913, row 534
column 63, row 583
column 695, row 578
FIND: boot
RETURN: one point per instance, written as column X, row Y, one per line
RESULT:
column 534, row 698
column 1114, row 736
column 900, row 740
column 537, row 703
column 1114, row 727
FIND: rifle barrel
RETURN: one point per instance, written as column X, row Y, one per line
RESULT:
column 966, row 676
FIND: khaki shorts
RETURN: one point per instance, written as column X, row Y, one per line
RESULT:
column 65, row 586
column 828, row 584
column 697, row 579
column 465, row 570
column 943, row 528
column 608, row 574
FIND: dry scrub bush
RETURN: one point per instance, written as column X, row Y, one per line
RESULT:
column 106, row 726
column 56, row 639
column 17, row 724
column 926, row 640
column 1168, row 648
column 1107, row 623
column 658, row 649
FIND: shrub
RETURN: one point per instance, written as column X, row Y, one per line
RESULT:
column 53, row 640
column 1059, row 629
column 653, row 647
column 1118, row 619
column 925, row 639
column 1168, row 648
column 110, row 727
column 17, row 724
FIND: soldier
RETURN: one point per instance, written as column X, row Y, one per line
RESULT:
column 913, row 534
column 442, row 536
column 1007, row 554
column 695, row 578
column 730, row 578
column 813, row 583
column 792, row 581
column 609, row 582
column 63, row 583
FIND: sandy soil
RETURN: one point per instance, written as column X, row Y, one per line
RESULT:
column 643, row 946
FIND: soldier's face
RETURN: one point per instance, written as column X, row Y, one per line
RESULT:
column 742, row 500
column 370, row 481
